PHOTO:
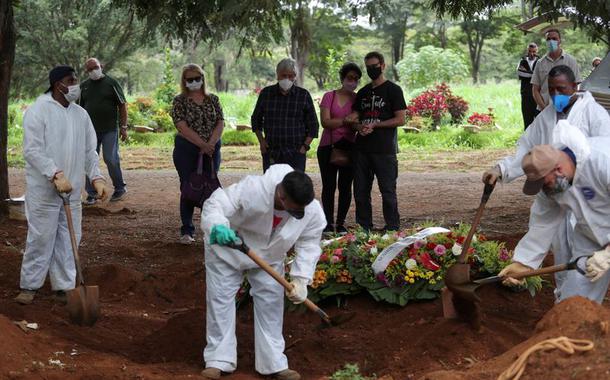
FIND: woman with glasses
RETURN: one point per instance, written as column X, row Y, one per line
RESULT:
column 199, row 120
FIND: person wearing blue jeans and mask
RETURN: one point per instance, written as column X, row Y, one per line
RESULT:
column 199, row 119
column 103, row 99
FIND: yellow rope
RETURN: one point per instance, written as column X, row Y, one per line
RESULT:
column 565, row 344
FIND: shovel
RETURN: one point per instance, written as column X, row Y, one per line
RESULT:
column 83, row 301
column 327, row 321
column 466, row 294
column 459, row 273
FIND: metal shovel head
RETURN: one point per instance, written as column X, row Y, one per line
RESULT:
column 83, row 305
column 457, row 274
column 336, row 320
column 464, row 297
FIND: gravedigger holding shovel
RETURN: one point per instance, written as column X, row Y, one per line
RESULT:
column 272, row 213
column 573, row 175
column 59, row 149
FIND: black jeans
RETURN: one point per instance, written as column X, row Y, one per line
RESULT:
column 528, row 109
column 291, row 157
column 185, row 157
column 385, row 168
column 329, row 172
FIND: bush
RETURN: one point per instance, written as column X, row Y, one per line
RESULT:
column 349, row 372
column 429, row 65
column 483, row 120
column 456, row 105
column 430, row 103
column 163, row 120
column 233, row 137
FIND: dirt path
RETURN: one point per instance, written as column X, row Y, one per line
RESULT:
column 153, row 295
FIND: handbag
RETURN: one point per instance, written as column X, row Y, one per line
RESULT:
column 200, row 184
column 338, row 156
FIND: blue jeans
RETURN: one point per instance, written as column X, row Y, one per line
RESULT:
column 109, row 141
column 185, row 158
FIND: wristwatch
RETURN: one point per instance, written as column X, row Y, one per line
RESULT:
column 307, row 146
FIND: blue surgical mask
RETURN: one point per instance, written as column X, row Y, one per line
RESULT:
column 560, row 101
column 552, row 45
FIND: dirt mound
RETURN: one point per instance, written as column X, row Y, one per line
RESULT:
column 576, row 318
column 113, row 279
column 181, row 340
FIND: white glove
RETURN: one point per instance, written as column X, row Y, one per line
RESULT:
column 598, row 264
column 298, row 294
column 491, row 175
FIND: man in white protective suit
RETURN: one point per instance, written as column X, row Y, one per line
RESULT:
column 59, row 149
column 574, row 175
column 271, row 213
column 581, row 111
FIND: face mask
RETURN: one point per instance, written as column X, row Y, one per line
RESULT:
column 373, row 72
column 286, row 84
column 561, row 185
column 297, row 214
column 96, row 74
column 350, row 86
column 194, row 86
column 552, row 45
column 73, row 93
column 560, row 101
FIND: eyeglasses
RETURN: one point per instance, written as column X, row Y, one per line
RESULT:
column 193, row 79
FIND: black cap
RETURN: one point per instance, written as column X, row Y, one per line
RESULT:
column 58, row 73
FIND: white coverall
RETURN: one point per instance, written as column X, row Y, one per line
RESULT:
column 248, row 208
column 588, row 199
column 55, row 139
column 592, row 120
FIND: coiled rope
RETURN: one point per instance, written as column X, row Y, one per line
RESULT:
column 563, row 343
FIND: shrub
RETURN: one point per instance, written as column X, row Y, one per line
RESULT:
column 429, row 65
column 430, row 103
column 163, row 120
column 233, row 137
column 349, row 372
column 483, row 120
column 456, row 105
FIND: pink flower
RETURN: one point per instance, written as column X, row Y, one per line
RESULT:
column 335, row 259
column 338, row 252
column 419, row 243
column 324, row 257
column 440, row 250
column 504, row 254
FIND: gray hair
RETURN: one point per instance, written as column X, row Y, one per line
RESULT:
column 286, row 64
column 532, row 45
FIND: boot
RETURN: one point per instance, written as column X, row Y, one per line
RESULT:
column 211, row 373
column 60, row 297
column 287, row 374
column 25, row 297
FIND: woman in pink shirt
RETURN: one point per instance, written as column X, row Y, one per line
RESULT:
column 334, row 107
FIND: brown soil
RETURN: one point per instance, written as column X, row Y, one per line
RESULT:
column 153, row 305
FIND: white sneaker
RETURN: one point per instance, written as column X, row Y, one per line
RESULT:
column 186, row 239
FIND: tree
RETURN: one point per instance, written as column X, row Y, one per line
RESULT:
column 7, row 56
column 477, row 29
column 591, row 15
column 52, row 32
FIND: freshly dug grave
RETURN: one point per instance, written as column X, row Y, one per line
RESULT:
column 576, row 318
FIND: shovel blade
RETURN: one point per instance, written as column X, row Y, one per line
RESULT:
column 336, row 320
column 83, row 305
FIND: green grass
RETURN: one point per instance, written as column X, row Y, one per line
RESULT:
column 237, row 108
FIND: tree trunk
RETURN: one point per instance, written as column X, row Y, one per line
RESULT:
column 7, row 57
column 220, row 68
column 299, row 40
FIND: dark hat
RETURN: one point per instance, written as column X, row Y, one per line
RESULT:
column 58, row 73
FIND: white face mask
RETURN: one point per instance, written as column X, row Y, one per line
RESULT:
column 73, row 93
column 96, row 74
column 194, row 86
column 286, row 84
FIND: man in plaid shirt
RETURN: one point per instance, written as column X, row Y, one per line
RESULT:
column 285, row 120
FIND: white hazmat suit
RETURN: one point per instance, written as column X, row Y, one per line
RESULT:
column 587, row 116
column 588, row 199
column 248, row 208
column 56, row 138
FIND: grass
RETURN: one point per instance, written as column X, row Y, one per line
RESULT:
column 503, row 97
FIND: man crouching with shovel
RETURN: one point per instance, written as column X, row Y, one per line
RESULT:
column 574, row 176
column 272, row 213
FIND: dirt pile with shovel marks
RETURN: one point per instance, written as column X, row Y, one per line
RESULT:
column 575, row 318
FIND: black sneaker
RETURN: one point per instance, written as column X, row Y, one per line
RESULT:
column 90, row 201
column 341, row 230
column 118, row 195
column 328, row 230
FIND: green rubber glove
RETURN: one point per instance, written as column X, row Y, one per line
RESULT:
column 222, row 235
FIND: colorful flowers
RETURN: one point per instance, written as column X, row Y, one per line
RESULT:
column 483, row 120
column 440, row 250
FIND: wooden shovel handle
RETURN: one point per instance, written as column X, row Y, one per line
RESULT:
column 68, row 211
column 541, row 271
column 287, row 285
column 487, row 190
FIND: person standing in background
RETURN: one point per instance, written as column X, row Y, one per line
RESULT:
column 103, row 99
column 525, row 69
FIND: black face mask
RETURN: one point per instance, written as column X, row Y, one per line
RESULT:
column 373, row 71
column 297, row 214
